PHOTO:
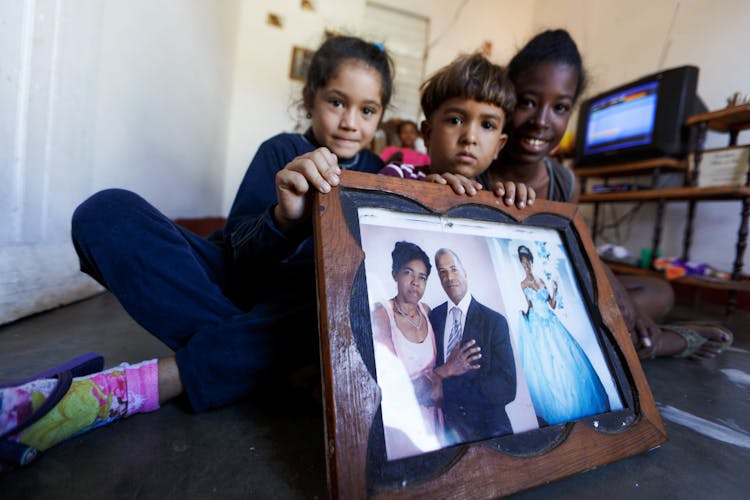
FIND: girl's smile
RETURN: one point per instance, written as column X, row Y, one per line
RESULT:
column 545, row 101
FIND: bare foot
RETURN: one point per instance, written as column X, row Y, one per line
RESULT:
column 670, row 343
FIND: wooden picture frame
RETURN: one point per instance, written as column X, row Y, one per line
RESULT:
column 356, row 226
column 300, row 63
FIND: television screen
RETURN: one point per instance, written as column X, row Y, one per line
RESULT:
column 639, row 120
column 622, row 119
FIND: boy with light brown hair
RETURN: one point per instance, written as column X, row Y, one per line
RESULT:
column 465, row 105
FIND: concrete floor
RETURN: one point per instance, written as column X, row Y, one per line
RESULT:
column 268, row 449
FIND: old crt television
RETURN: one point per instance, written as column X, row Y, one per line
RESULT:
column 640, row 120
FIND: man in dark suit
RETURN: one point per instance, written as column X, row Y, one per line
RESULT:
column 474, row 402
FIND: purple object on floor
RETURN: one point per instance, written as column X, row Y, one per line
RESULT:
column 85, row 364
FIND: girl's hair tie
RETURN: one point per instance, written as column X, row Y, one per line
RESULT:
column 379, row 46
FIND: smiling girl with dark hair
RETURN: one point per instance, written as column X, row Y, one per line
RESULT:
column 549, row 77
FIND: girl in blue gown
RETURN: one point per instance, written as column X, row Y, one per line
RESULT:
column 562, row 383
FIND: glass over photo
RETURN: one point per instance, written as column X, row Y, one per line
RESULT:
column 479, row 330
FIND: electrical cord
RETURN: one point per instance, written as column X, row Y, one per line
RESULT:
column 621, row 222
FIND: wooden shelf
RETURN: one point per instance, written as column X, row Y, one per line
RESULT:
column 715, row 193
column 633, row 168
column 729, row 120
column 716, row 284
column 724, row 120
column 620, row 268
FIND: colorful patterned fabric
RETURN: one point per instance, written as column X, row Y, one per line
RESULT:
column 91, row 402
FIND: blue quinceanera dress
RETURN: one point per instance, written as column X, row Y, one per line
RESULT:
column 562, row 383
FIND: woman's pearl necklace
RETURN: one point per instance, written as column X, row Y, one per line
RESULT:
column 416, row 325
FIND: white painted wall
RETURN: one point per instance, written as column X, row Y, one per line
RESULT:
column 165, row 81
column 623, row 40
column 97, row 94
column 43, row 118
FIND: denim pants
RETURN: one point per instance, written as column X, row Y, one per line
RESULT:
column 229, row 331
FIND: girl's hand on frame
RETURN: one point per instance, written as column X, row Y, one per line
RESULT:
column 514, row 193
column 457, row 182
column 318, row 169
column 642, row 334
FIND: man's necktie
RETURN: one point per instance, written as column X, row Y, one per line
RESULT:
column 455, row 336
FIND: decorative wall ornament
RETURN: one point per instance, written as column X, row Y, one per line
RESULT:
column 300, row 63
column 275, row 20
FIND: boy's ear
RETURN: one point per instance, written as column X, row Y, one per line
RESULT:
column 500, row 144
column 426, row 132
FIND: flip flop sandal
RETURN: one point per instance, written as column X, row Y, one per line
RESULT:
column 714, row 324
column 694, row 339
column 14, row 453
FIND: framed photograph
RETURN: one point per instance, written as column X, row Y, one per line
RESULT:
column 300, row 63
column 469, row 349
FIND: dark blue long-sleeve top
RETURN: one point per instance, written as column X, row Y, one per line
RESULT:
column 250, row 233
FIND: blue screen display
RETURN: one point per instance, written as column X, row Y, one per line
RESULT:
column 622, row 120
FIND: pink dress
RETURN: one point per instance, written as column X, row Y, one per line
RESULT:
column 416, row 358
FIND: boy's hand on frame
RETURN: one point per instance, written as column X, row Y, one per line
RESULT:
column 457, row 182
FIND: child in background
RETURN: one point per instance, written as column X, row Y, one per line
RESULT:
column 465, row 106
column 408, row 134
column 239, row 309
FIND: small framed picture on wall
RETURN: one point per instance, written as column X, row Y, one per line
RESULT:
column 300, row 63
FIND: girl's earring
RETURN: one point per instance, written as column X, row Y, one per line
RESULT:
column 308, row 115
